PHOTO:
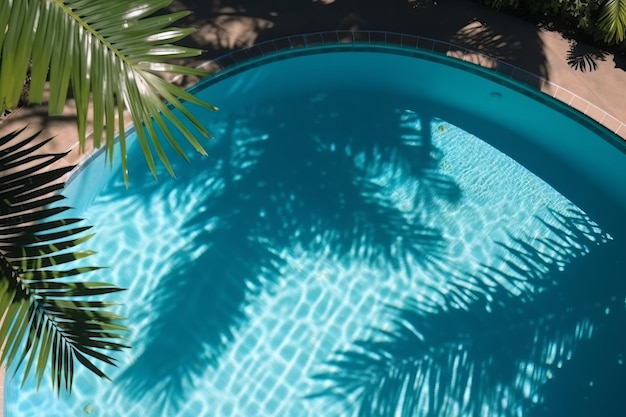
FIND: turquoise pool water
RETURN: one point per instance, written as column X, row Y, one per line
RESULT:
column 365, row 238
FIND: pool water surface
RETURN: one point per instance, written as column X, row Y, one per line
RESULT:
column 359, row 249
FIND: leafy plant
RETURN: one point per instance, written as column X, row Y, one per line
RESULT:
column 603, row 20
column 49, row 316
column 108, row 53
column 612, row 22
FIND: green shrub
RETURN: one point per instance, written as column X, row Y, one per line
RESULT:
column 603, row 21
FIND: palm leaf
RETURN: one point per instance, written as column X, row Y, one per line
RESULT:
column 107, row 53
column 49, row 320
column 612, row 22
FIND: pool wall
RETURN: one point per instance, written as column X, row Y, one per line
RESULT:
column 575, row 154
column 448, row 84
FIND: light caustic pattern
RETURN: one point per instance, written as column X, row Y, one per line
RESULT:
column 246, row 273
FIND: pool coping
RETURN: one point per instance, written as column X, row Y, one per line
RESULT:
column 419, row 46
column 607, row 126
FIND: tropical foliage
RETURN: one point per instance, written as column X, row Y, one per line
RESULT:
column 108, row 56
column 604, row 20
column 107, row 52
column 49, row 316
column 612, row 21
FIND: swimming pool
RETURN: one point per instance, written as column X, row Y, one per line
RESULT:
column 371, row 231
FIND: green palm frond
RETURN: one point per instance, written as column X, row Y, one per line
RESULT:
column 51, row 319
column 109, row 52
column 612, row 22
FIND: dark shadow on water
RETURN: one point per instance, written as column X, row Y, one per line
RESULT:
column 540, row 332
column 336, row 184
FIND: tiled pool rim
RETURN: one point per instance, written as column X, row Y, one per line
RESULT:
column 421, row 47
column 559, row 98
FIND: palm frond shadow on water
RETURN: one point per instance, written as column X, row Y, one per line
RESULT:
column 324, row 190
column 529, row 337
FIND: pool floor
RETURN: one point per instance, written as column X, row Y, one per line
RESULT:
column 335, row 258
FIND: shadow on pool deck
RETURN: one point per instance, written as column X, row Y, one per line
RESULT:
column 230, row 24
column 324, row 199
column 223, row 26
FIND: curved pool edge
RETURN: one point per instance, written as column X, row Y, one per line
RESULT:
column 497, row 70
column 408, row 46
column 608, row 126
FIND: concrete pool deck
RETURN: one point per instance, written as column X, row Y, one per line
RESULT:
column 593, row 75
